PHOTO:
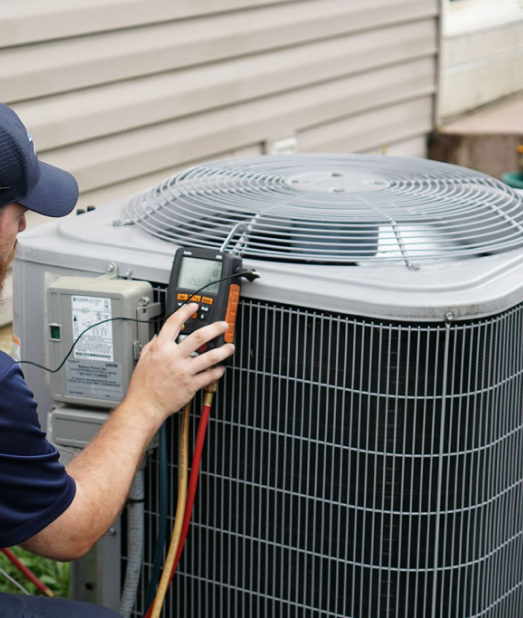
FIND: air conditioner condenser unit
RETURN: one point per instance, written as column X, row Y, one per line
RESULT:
column 364, row 457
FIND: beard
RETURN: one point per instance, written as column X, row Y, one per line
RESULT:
column 4, row 268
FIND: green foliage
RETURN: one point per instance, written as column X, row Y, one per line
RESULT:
column 53, row 574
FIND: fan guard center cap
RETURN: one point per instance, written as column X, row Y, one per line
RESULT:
column 342, row 181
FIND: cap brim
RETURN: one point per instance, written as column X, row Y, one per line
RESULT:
column 55, row 194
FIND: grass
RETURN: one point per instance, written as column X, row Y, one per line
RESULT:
column 53, row 574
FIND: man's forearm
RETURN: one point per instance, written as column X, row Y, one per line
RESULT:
column 104, row 470
column 103, row 473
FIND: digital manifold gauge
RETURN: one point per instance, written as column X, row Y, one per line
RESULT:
column 207, row 277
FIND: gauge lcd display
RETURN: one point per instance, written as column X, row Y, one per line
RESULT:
column 195, row 273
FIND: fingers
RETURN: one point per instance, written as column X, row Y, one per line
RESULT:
column 167, row 375
column 173, row 325
column 212, row 357
column 206, row 377
column 195, row 340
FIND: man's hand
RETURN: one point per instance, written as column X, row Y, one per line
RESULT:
column 167, row 376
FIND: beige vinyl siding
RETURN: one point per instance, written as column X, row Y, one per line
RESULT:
column 27, row 21
column 125, row 92
column 482, row 55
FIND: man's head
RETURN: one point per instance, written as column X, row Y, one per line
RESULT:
column 24, row 179
column 26, row 183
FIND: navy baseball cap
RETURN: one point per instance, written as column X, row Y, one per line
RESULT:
column 38, row 186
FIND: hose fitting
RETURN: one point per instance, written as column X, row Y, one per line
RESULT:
column 210, row 389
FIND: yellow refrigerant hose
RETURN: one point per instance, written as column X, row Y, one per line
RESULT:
column 180, row 510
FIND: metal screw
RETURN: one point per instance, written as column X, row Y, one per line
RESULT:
column 145, row 300
column 449, row 316
column 128, row 273
column 112, row 531
column 109, row 268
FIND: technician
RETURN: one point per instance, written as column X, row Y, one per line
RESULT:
column 56, row 512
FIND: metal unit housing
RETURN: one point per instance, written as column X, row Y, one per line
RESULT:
column 364, row 454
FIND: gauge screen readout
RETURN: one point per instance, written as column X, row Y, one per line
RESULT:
column 195, row 273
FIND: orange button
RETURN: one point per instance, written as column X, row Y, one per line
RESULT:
column 207, row 301
column 196, row 299
column 183, row 296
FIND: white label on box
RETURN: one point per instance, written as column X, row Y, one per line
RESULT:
column 96, row 343
column 94, row 380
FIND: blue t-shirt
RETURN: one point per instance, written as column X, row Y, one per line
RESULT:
column 35, row 489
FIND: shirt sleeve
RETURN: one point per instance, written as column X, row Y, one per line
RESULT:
column 35, row 489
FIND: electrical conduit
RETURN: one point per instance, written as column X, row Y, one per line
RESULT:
column 135, row 543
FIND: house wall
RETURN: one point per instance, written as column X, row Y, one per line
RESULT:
column 124, row 92
column 482, row 55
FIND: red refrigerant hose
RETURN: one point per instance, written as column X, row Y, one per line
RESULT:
column 193, row 478
column 27, row 572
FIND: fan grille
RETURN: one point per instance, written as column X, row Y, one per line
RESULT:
column 335, row 209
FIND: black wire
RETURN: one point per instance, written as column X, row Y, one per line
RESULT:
column 27, row 362
column 244, row 273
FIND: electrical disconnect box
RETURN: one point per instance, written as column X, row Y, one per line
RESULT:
column 75, row 427
column 107, row 320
